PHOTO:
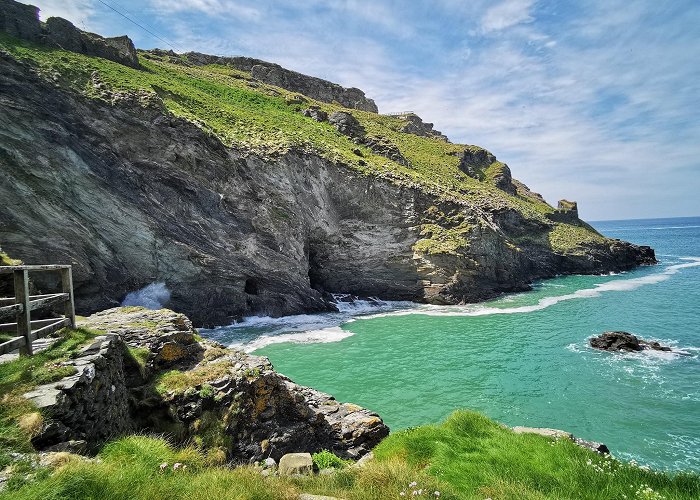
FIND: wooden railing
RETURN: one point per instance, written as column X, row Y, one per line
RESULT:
column 22, row 304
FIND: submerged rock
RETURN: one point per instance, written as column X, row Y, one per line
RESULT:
column 624, row 341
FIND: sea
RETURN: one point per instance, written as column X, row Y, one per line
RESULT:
column 521, row 359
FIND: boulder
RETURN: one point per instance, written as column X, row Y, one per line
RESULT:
column 624, row 341
column 296, row 463
column 316, row 113
column 346, row 124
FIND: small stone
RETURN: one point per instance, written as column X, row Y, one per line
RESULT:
column 270, row 463
column 296, row 463
column 365, row 460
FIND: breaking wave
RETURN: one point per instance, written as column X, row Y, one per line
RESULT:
column 256, row 332
column 153, row 296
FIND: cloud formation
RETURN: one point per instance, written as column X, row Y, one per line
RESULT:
column 593, row 101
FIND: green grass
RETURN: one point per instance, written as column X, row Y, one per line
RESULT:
column 480, row 458
column 468, row 456
column 325, row 459
column 567, row 238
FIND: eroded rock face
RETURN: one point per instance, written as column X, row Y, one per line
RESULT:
column 235, row 402
column 22, row 21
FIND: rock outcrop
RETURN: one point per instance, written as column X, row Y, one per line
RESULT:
column 557, row 434
column 624, row 341
column 22, row 21
column 217, row 397
column 316, row 88
column 416, row 126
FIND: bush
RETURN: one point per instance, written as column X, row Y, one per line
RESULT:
column 326, row 460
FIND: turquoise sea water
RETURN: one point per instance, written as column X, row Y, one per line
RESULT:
column 522, row 359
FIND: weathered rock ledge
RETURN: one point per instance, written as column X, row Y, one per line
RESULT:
column 191, row 390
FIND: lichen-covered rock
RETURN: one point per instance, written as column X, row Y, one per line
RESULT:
column 216, row 397
column 296, row 463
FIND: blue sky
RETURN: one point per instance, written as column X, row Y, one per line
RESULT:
column 595, row 100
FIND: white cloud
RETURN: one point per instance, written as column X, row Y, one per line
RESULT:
column 506, row 14
column 76, row 11
column 227, row 8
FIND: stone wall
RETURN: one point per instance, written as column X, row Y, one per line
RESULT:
column 235, row 402
column 89, row 407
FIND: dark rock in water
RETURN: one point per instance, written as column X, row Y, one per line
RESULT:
column 623, row 341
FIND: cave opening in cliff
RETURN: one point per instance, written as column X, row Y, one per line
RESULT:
column 315, row 275
column 251, row 286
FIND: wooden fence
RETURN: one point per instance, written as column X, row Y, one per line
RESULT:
column 22, row 304
column 400, row 113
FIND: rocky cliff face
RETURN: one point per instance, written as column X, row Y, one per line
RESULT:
column 112, row 181
column 22, row 21
column 192, row 391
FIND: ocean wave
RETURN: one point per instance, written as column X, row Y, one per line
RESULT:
column 617, row 285
column 255, row 332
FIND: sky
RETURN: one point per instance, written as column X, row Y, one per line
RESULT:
column 596, row 101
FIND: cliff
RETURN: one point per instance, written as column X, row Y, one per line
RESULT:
column 247, row 198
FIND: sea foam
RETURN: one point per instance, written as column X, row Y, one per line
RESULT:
column 153, row 296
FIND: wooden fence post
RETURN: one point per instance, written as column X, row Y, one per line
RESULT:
column 67, row 285
column 24, row 324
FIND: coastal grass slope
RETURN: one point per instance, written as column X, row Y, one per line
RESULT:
column 468, row 456
column 261, row 119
